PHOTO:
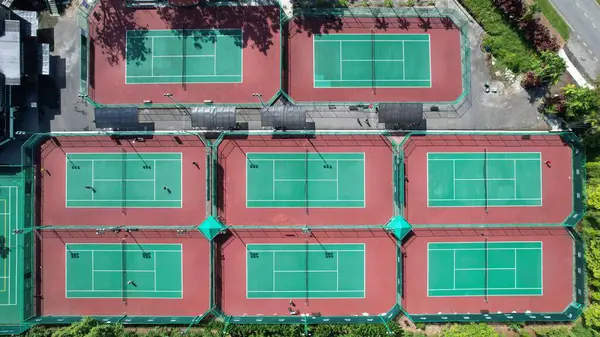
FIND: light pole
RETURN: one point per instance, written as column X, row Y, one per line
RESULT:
column 170, row 96
column 259, row 95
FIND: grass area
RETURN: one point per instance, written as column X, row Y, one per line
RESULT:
column 503, row 40
column 556, row 20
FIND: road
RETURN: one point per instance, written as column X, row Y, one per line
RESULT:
column 583, row 16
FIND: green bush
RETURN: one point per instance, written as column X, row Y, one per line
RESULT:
column 551, row 331
column 388, row 3
column 470, row 330
column 502, row 40
column 593, row 196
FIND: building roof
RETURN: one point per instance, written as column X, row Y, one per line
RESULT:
column 10, row 50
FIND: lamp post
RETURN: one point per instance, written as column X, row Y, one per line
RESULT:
column 170, row 96
column 259, row 95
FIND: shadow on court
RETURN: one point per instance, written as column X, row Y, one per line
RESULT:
column 108, row 22
column 4, row 250
column 260, row 24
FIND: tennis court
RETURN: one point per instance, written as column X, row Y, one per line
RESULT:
column 124, row 270
column 9, row 207
column 372, row 60
column 484, row 268
column 184, row 56
column 311, row 180
column 305, row 270
column 125, row 179
column 484, row 179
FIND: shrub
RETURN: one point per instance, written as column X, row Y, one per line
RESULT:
column 388, row 3
column 591, row 316
column 469, row 330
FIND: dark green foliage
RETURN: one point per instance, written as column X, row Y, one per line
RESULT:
column 469, row 330
column 266, row 330
column 551, row 331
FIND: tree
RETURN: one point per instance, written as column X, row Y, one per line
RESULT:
column 550, row 68
column 547, row 71
column 593, row 196
column 531, row 11
column 591, row 316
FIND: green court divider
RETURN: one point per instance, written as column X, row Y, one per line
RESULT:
column 25, row 176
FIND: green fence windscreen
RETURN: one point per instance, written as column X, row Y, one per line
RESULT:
column 24, row 177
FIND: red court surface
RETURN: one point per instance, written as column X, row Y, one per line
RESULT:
column 110, row 20
column 196, row 276
column 378, row 181
column 380, row 274
column 557, row 190
column 557, row 272
column 53, row 182
column 446, row 70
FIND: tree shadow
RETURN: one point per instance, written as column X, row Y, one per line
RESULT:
column 109, row 23
column 316, row 25
column 4, row 249
column 260, row 24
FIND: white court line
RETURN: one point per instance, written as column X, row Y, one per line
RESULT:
column 123, row 180
column 515, row 250
column 341, row 67
column 128, row 270
column 515, row 267
column 118, row 250
column 93, row 276
column 273, row 180
column 515, row 178
column 152, row 56
column 312, row 291
column 454, row 269
column 492, row 179
column 310, row 159
column 377, row 81
column 182, row 56
column 314, row 179
column 437, row 249
column 154, row 179
column 347, row 60
column 93, row 180
column 337, row 180
column 295, row 200
column 476, row 199
column 121, row 270
column 305, row 271
column 303, row 251
column 337, row 271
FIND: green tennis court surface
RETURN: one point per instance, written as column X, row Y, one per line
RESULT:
column 372, row 60
column 184, row 56
column 305, row 270
column 315, row 180
column 9, row 209
column 484, row 179
column 124, row 271
column 126, row 179
column 484, row 269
